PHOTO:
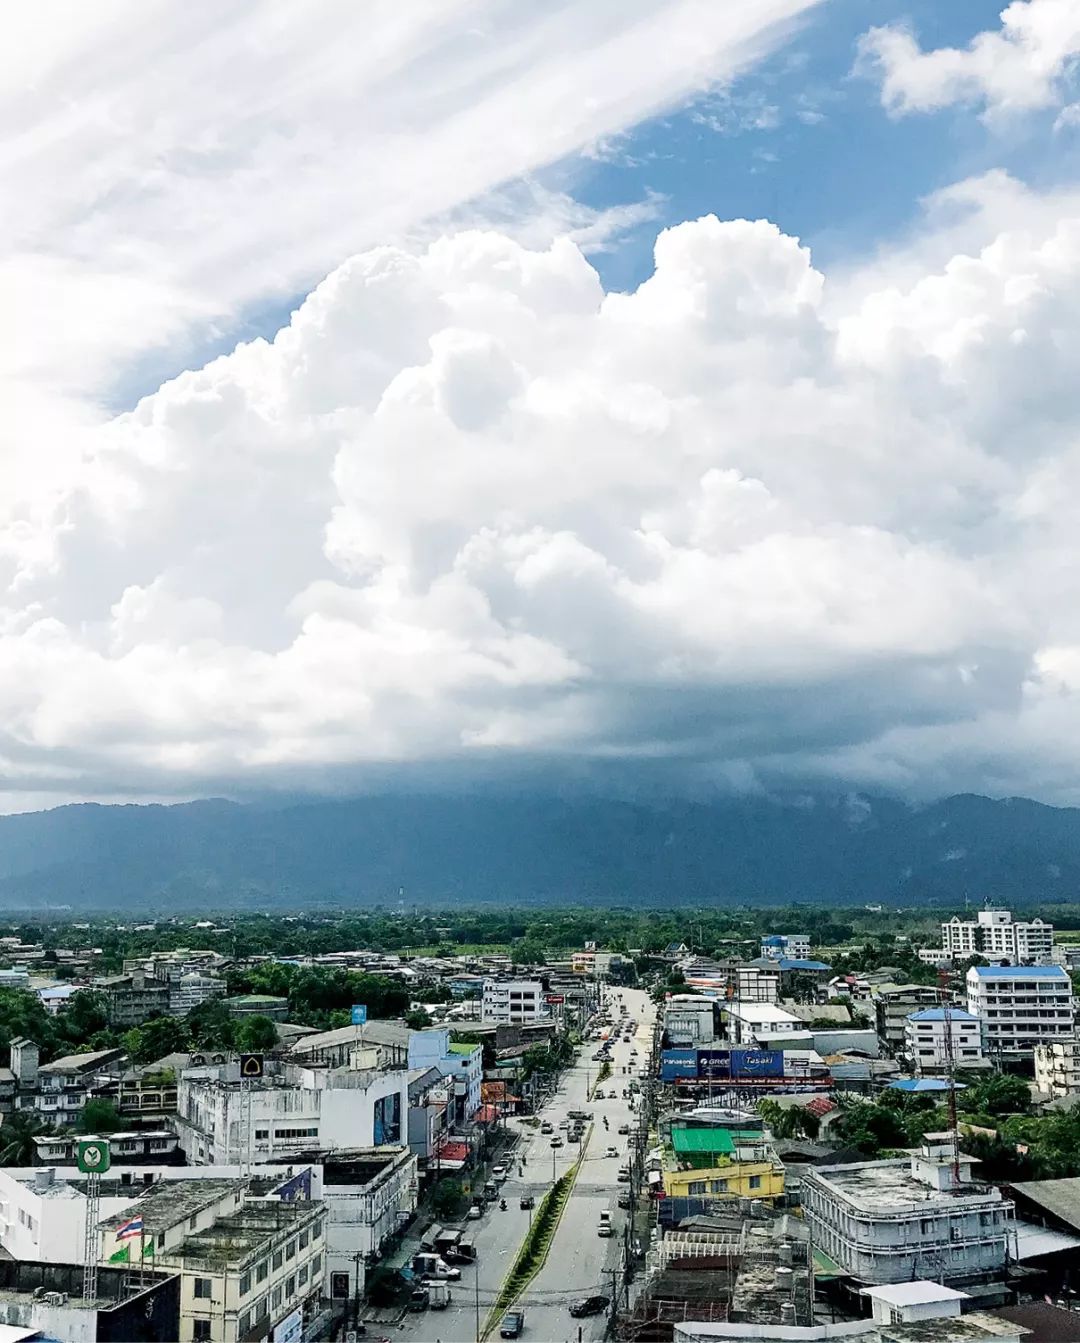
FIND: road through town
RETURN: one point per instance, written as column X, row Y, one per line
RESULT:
column 580, row 1263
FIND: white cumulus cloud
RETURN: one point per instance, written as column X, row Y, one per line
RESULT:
column 466, row 505
column 1023, row 66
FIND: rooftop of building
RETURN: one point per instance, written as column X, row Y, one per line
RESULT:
column 917, row 1293
column 170, row 1063
column 166, row 1203
column 388, row 1033
column 889, row 1186
column 1019, row 972
column 464, row 1049
column 240, row 1236
column 763, row 1012
column 83, row 1063
column 938, row 1014
column 686, row 1141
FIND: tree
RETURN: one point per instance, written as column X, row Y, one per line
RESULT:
column 447, row 1200
column 156, row 1038
column 211, row 1026
column 417, row 1019
column 99, row 1116
column 255, row 1034
column 17, row 1136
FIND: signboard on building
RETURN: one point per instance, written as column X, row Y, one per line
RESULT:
column 757, row 1063
column 678, row 1065
column 358, row 1015
column 555, row 998
column 290, row 1329
column 92, row 1156
column 251, row 1066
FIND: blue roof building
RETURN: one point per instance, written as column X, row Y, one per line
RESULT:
column 1021, row 1006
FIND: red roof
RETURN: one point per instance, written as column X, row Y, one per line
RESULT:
column 452, row 1150
column 820, row 1106
column 487, row 1114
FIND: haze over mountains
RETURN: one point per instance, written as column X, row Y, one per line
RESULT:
column 530, row 848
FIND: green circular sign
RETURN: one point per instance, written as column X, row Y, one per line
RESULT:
column 92, row 1156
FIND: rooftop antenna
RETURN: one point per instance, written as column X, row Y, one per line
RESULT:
column 944, row 991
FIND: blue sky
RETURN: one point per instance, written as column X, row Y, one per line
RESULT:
column 805, row 142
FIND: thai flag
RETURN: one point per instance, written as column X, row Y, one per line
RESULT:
column 130, row 1229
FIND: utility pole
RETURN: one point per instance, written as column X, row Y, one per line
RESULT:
column 476, row 1284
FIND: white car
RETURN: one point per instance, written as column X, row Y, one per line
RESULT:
column 498, row 1174
column 612, row 1151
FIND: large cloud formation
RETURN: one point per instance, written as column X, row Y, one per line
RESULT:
column 467, row 506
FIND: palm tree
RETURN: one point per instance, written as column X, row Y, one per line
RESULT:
column 17, row 1136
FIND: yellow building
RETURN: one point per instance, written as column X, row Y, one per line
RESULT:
column 720, row 1163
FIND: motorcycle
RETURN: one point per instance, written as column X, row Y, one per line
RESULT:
column 502, row 1205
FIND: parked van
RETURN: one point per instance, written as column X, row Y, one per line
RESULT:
column 605, row 1229
column 438, row 1295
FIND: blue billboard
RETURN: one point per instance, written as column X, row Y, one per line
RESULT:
column 678, row 1065
column 690, row 1065
column 757, row 1063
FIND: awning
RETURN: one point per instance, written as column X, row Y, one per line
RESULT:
column 487, row 1114
column 451, row 1154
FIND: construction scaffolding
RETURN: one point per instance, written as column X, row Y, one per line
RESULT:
column 723, row 1269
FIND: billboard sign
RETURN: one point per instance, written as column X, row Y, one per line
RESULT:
column 678, row 1064
column 358, row 1015
column 555, row 998
column 757, row 1063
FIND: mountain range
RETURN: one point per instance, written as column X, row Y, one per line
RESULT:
column 534, row 849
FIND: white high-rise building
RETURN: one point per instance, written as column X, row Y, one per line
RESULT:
column 994, row 934
column 1020, row 1006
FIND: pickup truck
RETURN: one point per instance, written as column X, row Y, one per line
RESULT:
column 513, row 1322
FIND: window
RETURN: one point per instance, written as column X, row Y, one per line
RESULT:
column 277, row 1296
column 302, row 1239
column 316, row 1268
column 202, row 1289
column 261, row 1134
column 192, row 1220
column 282, row 1134
column 200, row 1331
column 339, row 1284
column 279, row 1259
column 755, row 1181
column 696, row 1187
column 290, row 1285
column 244, row 1324
column 301, row 1276
column 245, row 1283
column 719, row 1186
column 290, row 1250
column 262, row 1270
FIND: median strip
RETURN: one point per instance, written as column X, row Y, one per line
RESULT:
column 534, row 1250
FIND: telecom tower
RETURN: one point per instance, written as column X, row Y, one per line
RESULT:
column 945, row 994
column 93, row 1157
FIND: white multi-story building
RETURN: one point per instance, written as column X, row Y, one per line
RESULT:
column 251, row 1263
column 690, row 1019
column 786, row 946
column 994, row 934
column 514, row 1000
column 1057, row 1068
column 462, row 1064
column 1020, row 1006
column 898, row 1221
column 925, row 1034
column 748, row 1022
column 290, row 1110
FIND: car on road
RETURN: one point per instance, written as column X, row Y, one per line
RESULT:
column 623, row 1201
column 476, row 1211
column 612, row 1151
column 605, row 1231
column 418, row 1300
column 547, row 1127
column 526, row 1202
column 624, row 1129
column 623, row 1176
column 556, row 1141
column 589, row 1305
column 574, row 1135
column 564, row 1123
column 498, row 1174
column 513, row 1322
